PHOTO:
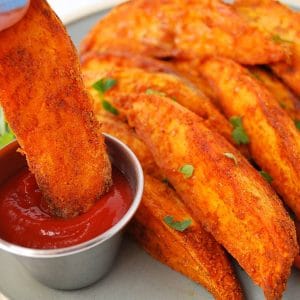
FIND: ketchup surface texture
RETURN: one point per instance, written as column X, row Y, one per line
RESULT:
column 24, row 219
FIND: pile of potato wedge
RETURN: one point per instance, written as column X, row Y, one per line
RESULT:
column 207, row 96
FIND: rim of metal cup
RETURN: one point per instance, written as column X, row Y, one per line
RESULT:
column 58, row 252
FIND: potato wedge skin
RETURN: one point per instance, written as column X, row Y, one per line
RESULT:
column 274, row 139
column 136, row 80
column 286, row 99
column 279, row 21
column 232, row 201
column 202, row 28
column 115, row 127
column 204, row 260
column 194, row 252
column 46, row 104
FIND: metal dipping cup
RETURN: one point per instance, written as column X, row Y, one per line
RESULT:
column 83, row 264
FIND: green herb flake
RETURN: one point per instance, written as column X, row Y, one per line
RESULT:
column 297, row 124
column 279, row 40
column 109, row 107
column 266, row 176
column 187, row 171
column 282, row 105
column 177, row 225
column 6, row 134
column 238, row 134
column 104, row 84
column 231, row 156
column 6, row 138
column 255, row 75
column 154, row 92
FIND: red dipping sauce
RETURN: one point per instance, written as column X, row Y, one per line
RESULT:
column 24, row 219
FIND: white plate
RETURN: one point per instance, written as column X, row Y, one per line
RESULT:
column 135, row 275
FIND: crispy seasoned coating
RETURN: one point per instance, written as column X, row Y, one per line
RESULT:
column 282, row 24
column 114, row 126
column 274, row 138
column 125, row 58
column 284, row 96
column 190, row 70
column 194, row 252
column 183, row 29
column 231, row 199
column 136, row 80
column 46, row 105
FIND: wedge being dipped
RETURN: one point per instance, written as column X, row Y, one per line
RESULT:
column 220, row 187
column 49, row 110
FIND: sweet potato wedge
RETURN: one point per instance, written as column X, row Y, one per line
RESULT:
column 202, row 28
column 220, row 187
column 136, row 80
column 283, row 25
column 45, row 103
column 274, row 138
column 281, row 93
column 193, row 252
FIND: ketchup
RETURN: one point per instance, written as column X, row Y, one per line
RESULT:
column 24, row 219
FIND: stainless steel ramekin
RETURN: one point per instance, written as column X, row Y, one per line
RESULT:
column 83, row 264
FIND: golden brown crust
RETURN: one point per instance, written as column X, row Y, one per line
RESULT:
column 136, row 80
column 274, row 139
column 115, row 127
column 279, row 21
column 194, row 252
column 286, row 99
column 45, row 103
column 232, row 201
column 202, row 28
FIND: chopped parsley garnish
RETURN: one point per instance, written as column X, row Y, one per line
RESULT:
column 297, row 124
column 6, row 134
column 187, row 171
column 278, row 39
column 266, row 176
column 231, row 156
column 109, row 107
column 155, row 92
column 177, row 225
column 282, row 105
column 238, row 134
column 104, row 84
column 255, row 75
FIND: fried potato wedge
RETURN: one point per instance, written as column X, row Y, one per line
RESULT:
column 222, row 190
column 283, row 25
column 274, row 138
column 112, row 125
column 135, row 80
column 203, row 28
column 286, row 99
column 193, row 252
column 123, row 58
column 45, row 103
column 204, row 260
column 189, row 69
